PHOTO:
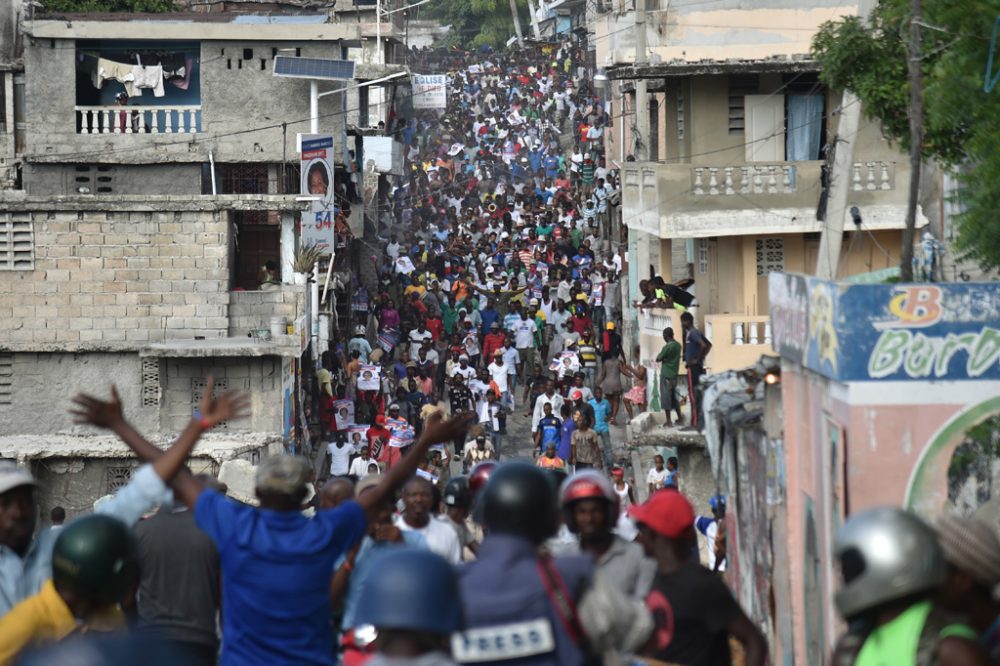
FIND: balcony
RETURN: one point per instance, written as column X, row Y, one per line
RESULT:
column 704, row 200
column 136, row 119
column 737, row 340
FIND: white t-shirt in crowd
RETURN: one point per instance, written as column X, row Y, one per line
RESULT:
column 416, row 341
column 340, row 458
column 658, row 479
column 499, row 373
column 440, row 536
column 524, row 333
column 359, row 466
column 392, row 249
column 467, row 373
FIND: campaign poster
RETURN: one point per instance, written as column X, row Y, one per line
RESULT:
column 317, row 180
column 357, row 436
column 369, row 377
column 343, row 412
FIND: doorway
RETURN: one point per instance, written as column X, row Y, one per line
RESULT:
column 257, row 241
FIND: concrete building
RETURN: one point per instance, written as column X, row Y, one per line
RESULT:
column 883, row 395
column 132, row 238
column 737, row 170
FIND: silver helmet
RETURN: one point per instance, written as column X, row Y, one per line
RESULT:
column 359, row 329
column 885, row 553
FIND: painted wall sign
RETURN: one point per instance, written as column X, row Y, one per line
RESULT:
column 887, row 331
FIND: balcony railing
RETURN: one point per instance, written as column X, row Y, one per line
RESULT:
column 116, row 119
column 737, row 340
column 745, row 179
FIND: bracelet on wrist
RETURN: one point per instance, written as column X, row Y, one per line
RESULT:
column 204, row 423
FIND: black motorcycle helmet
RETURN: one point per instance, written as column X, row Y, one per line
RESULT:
column 457, row 492
column 520, row 499
column 95, row 558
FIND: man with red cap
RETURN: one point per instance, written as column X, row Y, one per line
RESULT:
column 695, row 612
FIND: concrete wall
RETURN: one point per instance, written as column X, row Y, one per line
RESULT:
column 261, row 376
column 43, row 383
column 118, row 279
column 232, row 100
column 154, row 179
column 253, row 309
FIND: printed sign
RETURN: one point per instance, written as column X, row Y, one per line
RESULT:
column 317, row 180
column 369, row 378
column 430, row 91
column 343, row 412
column 887, row 331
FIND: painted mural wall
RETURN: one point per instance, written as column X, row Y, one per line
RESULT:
column 890, row 395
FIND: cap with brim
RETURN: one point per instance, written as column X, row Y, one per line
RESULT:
column 283, row 474
column 577, row 395
column 970, row 545
column 463, row 357
column 668, row 513
column 393, row 407
column 12, row 476
column 494, row 325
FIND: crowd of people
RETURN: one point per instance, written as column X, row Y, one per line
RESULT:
column 498, row 277
column 497, row 274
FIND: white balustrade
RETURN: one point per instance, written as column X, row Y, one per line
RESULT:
column 872, row 176
column 114, row 119
column 743, row 179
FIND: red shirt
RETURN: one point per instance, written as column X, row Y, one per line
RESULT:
column 435, row 326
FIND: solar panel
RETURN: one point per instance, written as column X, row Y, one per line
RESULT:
column 314, row 68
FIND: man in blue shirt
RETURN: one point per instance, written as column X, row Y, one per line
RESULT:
column 602, row 408
column 276, row 562
column 549, row 427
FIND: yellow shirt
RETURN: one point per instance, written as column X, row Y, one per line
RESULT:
column 45, row 618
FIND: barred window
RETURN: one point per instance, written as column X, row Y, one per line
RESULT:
column 770, row 255
column 198, row 387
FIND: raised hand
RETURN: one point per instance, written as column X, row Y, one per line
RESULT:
column 100, row 413
column 437, row 430
column 229, row 405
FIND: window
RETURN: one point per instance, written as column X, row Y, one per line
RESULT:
column 17, row 242
column 654, row 130
column 680, row 112
column 770, row 256
column 116, row 478
column 740, row 85
column 6, row 379
column 703, row 256
column 198, row 387
column 150, row 382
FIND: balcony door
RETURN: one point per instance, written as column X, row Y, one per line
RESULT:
column 765, row 128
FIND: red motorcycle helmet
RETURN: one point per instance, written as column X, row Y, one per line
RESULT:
column 480, row 474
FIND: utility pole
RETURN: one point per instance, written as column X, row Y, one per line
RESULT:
column 534, row 21
column 832, row 233
column 641, row 95
column 517, row 23
column 916, row 139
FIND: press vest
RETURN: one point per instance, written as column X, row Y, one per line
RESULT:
column 510, row 617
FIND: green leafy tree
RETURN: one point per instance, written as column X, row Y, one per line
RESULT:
column 962, row 121
column 139, row 6
column 477, row 23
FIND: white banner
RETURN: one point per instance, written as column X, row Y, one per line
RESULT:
column 430, row 91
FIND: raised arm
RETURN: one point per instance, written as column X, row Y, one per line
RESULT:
column 169, row 464
column 436, row 431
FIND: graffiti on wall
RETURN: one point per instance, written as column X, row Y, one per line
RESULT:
column 898, row 332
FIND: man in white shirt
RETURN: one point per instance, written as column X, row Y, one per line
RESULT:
column 417, row 337
column 359, row 466
column 339, row 454
column 550, row 397
column 500, row 374
column 463, row 368
column 524, row 339
column 392, row 249
column 441, row 537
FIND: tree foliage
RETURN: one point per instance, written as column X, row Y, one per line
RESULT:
column 962, row 122
column 81, row 6
column 476, row 23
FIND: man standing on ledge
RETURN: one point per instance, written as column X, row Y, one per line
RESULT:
column 696, row 348
column 669, row 359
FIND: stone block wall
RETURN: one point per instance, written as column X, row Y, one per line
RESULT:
column 117, row 278
column 253, row 309
column 260, row 376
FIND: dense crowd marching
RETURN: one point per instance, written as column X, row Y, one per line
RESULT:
column 496, row 274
